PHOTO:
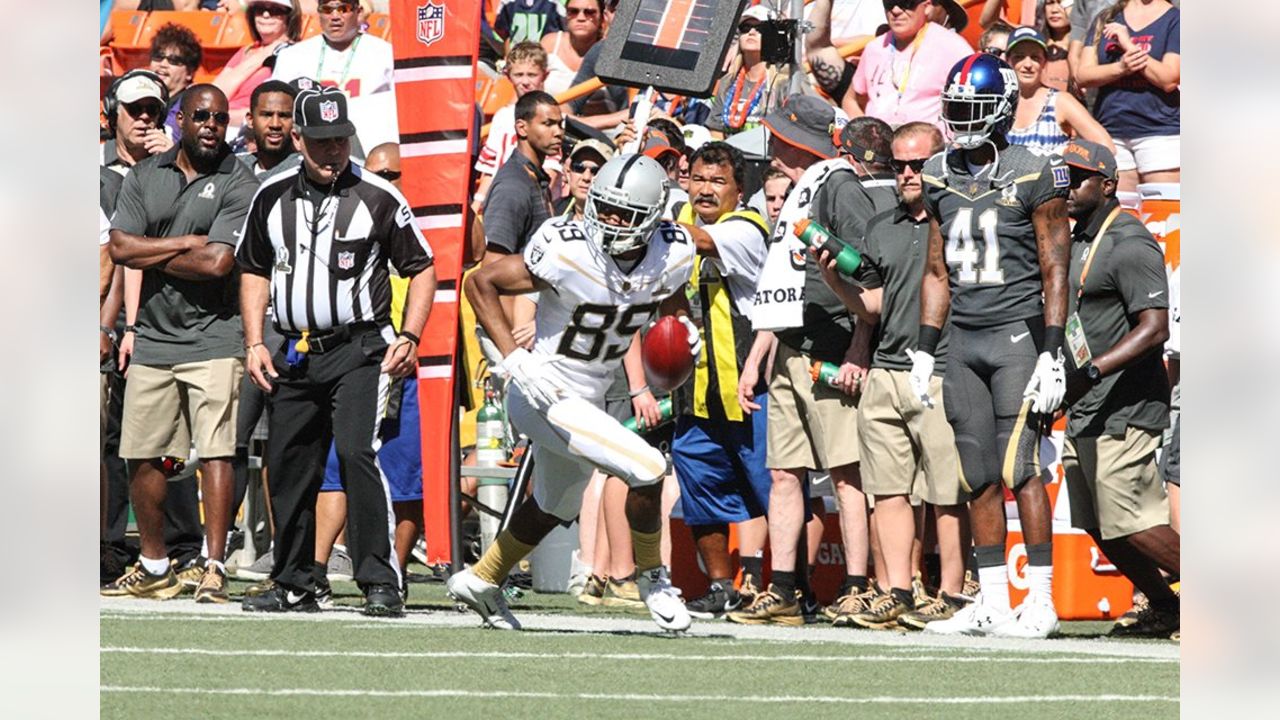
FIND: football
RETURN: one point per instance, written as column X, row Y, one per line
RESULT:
column 667, row 360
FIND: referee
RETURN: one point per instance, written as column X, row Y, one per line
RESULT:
column 316, row 245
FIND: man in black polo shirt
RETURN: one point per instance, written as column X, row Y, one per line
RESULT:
column 316, row 245
column 176, row 219
column 1117, row 388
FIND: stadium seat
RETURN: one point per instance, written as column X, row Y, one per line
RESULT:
column 206, row 25
column 126, row 24
column 497, row 93
column 235, row 34
column 310, row 26
column 380, row 26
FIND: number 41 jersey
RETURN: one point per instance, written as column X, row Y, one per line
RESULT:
column 987, row 233
column 592, row 308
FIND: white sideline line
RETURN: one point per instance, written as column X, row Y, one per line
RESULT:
column 620, row 656
column 630, row 697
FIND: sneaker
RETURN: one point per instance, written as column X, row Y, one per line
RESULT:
column 1036, row 618
column 663, row 600
column 718, row 601
column 383, row 601
column 810, row 608
column 857, row 603
column 278, row 598
column 749, row 588
column 142, row 584
column 578, row 574
column 976, row 618
column 419, row 551
column 259, row 570
column 340, row 566
column 264, row 587
column 1176, row 636
column 213, row 585
column 883, row 613
column 486, row 599
column 593, row 592
column 941, row 607
column 191, row 574
column 1140, row 603
column 971, row 588
column 769, row 607
column 1152, row 622
column 829, row 612
column 622, row 594
column 919, row 593
column 324, row 593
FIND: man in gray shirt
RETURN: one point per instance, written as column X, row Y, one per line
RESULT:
column 177, row 220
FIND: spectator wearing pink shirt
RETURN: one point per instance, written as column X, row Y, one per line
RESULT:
column 273, row 24
column 901, row 75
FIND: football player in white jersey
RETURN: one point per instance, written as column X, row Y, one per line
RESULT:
column 601, row 280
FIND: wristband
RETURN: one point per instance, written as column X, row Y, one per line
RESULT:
column 930, row 336
column 131, row 329
column 638, row 393
column 1054, row 337
column 254, row 345
column 110, row 333
column 406, row 334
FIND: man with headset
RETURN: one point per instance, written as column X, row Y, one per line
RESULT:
column 135, row 108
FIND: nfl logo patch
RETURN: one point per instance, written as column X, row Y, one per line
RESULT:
column 329, row 110
column 430, row 23
column 346, row 260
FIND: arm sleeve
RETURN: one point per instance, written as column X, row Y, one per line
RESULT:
column 229, row 222
column 1173, row 44
column 255, row 254
column 130, row 214
column 404, row 243
column 505, row 216
column 1138, row 272
column 741, row 246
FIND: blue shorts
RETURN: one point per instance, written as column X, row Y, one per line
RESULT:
column 721, row 467
column 400, row 456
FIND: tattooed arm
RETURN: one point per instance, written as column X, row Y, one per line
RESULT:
column 1053, row 243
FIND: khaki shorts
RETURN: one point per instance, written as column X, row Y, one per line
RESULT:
column 167, row 406
column 810, row 426
column 1114, row 484
column 906, row 448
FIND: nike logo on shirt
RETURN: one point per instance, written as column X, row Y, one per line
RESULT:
column 1018, row 338
column 1155, row 294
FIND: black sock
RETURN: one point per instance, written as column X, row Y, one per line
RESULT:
column 753, row 566
column 784, row 584
column 903, row 596
column 1172, row 603
column 854, row 584
column 726, row 584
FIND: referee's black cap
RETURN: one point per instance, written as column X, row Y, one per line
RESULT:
column 321, row 114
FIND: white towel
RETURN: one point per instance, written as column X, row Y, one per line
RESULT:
column 779, row 301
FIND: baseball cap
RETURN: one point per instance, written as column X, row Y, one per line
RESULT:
column 136, row 87
column 695, row 136
column 320, row 114
column 601, row 148
column 758, row 12
column 1026, row 34
column 805, row 122
column 1091, row 156
column 658, row 145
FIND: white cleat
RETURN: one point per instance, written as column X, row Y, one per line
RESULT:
column 483, row 597
column 976, row 618
column 663, row 600
column 1036, row 618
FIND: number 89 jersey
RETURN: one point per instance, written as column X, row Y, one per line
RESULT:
column 593, row 309
column 987, row 232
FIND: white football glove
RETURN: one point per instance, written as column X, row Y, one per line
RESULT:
column 921, row 373
column 528, row 371
column 695, row 337
column 1048, row 384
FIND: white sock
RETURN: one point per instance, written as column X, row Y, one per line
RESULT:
column 1040, row 579
column 340, row 547
column 155, row 567
column 204, row 547
column 216, row 564
column 994, row 582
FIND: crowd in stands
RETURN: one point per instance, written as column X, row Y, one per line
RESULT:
column 1089, row 74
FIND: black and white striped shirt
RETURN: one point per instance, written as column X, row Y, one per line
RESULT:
column 326, row 249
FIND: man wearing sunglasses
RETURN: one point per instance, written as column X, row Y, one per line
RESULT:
column 584, row 162
column 134, row 130
column 177, row 219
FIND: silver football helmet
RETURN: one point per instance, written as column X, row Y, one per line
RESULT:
column 631, row 188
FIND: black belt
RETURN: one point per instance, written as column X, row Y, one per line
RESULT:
column 321, row 343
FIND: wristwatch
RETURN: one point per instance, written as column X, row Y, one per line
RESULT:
column 1092, row 372
column 131, row 329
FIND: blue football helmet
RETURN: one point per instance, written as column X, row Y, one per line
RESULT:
column 979, row 100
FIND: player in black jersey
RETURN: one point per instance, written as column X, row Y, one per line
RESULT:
column 997, row 262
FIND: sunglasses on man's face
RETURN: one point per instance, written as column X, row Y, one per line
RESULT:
column 202, row 116
column 344, row 9
column 138, row 109
column 917, row 166
column 172, row 59
column 388, row 174
column 580, row 167
column 906, row 5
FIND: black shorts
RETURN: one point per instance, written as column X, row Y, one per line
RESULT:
column 997, row 435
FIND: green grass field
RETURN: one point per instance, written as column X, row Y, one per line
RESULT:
column 177, row 659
